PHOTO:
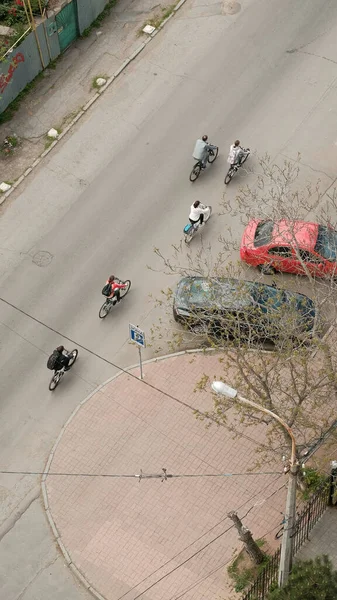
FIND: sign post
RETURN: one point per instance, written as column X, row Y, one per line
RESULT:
column 138, row 337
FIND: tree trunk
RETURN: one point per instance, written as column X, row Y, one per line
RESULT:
column 246, row 537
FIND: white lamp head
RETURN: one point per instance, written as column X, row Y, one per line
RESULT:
column 219, row 387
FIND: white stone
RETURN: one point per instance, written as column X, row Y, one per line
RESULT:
column 4, row 187
column 52, row 133
column 100, row 81
column 4, row 30
column 149, row 29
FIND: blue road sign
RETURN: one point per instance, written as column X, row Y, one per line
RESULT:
column 137, row 335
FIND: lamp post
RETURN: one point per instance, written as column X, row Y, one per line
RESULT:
column 290, row 512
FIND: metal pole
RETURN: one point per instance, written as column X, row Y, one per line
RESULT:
column 140, row 362
column 289, row 522
column 290, row 511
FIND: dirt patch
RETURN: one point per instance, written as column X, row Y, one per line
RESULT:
column 231, row 7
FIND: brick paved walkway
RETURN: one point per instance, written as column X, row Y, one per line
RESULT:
column 133, row 539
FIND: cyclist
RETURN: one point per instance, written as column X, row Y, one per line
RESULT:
column 197, row 213
column 236, row 154
column 115, row 287
column 62, row 358
column 201, row 150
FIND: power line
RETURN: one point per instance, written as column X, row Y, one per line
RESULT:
column 142, row 381
column 191, row 587
column 163, row 475
column 181, row 402
column 195, row 553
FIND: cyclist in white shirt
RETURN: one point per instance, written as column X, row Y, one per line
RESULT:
column 197, row 213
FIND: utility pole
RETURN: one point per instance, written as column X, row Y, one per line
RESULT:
column 219, row 387
column 288, row 531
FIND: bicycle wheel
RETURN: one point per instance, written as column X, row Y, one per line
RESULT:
column 213, row 155
column 125, row 290
column 189, row 237
column 194, row 174
column 104, row 310
column 55, row 380
column 244, row 159
column 229, row 175
column 73, row 358
column 279, row 533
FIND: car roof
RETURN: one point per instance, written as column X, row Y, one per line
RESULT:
column 234, row 293
column 303, row 233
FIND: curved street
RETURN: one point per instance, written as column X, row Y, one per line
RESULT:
column 116, row 188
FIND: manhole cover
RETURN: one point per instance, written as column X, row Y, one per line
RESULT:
column 42, row 258
column 230, row 7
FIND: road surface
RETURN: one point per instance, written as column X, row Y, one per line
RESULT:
column 116, row 188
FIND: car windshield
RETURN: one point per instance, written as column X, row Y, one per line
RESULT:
column 263, row 233
column 268, row 297
column 326, row 244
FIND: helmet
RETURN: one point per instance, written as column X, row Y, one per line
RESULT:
column 204, row 138
column 111, row 278
column 60, row 348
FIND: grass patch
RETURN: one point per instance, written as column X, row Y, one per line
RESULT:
column 9, row 144
column 97, row 22
column 159, row 17
column 50, row 140
column 95, row 85
column 243, row 571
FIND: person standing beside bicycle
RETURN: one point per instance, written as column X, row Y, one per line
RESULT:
column 201, row 150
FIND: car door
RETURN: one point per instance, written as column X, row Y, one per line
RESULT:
column 309, row 261
column 282, row 258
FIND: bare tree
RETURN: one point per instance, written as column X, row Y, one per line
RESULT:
column 296, row 375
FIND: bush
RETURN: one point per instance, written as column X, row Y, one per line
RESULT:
column 309, row 580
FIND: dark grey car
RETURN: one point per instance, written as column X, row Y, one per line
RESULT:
column 231, row 308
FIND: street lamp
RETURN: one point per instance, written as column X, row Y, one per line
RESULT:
column 290, row 512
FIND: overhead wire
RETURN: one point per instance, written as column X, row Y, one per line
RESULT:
column 197, row 552
column 181, row 402
column 129, row 373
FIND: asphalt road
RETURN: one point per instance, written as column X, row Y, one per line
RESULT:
column 116, row 188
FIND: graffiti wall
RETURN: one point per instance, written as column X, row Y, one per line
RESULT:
column 27, row 60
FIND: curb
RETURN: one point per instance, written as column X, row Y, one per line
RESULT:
column 90, row 102
column 51, row 521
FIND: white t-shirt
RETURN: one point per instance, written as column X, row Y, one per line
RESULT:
column 196, row 212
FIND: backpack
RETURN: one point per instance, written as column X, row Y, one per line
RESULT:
column 106, row 291
column 51, row 362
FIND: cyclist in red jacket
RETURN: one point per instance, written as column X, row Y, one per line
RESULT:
column 115, row 287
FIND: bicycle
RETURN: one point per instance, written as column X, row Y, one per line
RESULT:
column 212, row 155
column 234, row 168
column 58, row 375
column 190, row 230
column 110, row 302
column 279, row 533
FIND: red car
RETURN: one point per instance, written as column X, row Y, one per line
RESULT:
column 288, row 246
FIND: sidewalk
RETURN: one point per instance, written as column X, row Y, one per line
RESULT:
column 322, row 539
column 162, row 539
column 62, row 91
